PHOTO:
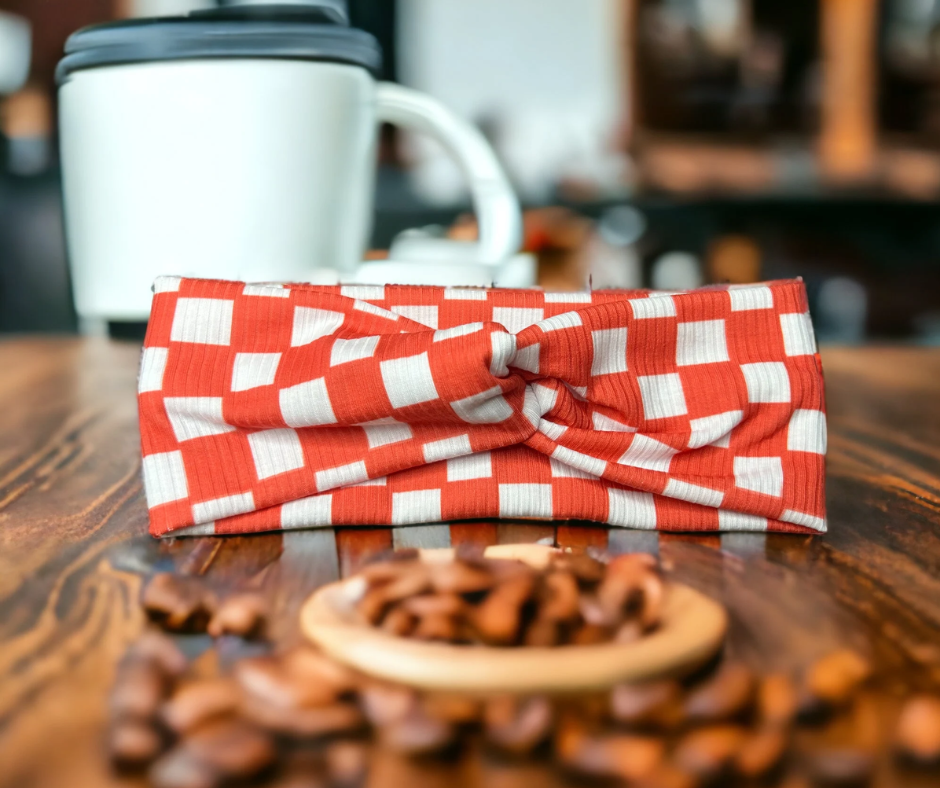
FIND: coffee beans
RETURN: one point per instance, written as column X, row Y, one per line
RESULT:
column 296, row 719
column 575, row 600
column 918, row 734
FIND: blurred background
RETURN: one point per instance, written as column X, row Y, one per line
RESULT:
column 653, row 143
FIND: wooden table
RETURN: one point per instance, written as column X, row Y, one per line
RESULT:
column 74, row 546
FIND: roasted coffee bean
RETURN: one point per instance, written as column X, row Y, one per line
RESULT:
column 196, row 702
column 399, row 622
column 560, row 602
column 133, row 743
column 653, row 591
column 454, row 708
column 347, row 762
column 708, row 752
column 517, row 725
column 918, row 731
column 776, row 699
column 306, row 722
column 417, row 733
column 615, row 756
column 624, row 581
column 283, row 683
column 178, row 603
column 761, row 753
column 590, row 635
column 586, row 569
column 725, row 695
column 180, row 768
column 542, row 633
column 139, row 689
column 242, row 615
column 436, row 627
column 461, row 577
column 835, row 678
column 665, row 775
column 498, row 618
column 657, row 703
column 373, row 605
column 595, row 614
column 160, row 649
column 434, row 605
column 384, row 704
column 232, row 748
column 841, row 766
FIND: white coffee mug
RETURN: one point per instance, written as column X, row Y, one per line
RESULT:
column 236, row 146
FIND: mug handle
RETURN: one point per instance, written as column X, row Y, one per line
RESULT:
column 497, row 209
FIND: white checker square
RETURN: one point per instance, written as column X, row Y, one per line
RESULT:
column 582, row 464
column 798, row 336
column 152, row 367
column 229, row 506
column 561, row 322
column 425, row 315
column 545, row 396
column 562, row 471
column 312, row 324
column 662, row 396
column 307, row 512
column 802, row 518
column 760, row 474
column 504, row 349
column 604, row 423
column 693, row 493
column 568, row 298
column 525, row 500
column 342, row 475
column 307, row 404
column 202, row 321
column 487, row 407
column 701, row 342
column 653, row 306
column 552, row 430
column 514, row 319
column 346, row 350
column 204, row 529
column 267, row 291
column 165, row 478
column 417, row 506
column 470, row 466
column 408, row 381
column 275, row 452
column 252, row 370
column 767, row 381
column 649, row 453
column 167, row 284
column 195, row 417
column 386, row 431
column 610, row 351
column 364, row 292
column 464, row 294
column 445, row 449
column 372, row 309
column 631, row 509
column 738, row 521
column 807, row 431
column 750, row 297
column 457, row 331
column 714, row 430
column 527, row 358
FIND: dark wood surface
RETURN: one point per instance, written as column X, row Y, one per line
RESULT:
column 74, row 548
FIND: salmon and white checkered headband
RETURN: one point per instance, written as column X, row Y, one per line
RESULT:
column 265, row 407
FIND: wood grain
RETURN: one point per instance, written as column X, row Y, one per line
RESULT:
column 74, row 547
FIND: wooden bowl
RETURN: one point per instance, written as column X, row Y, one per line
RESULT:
column 691, row 632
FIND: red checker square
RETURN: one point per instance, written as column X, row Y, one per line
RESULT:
column 161, row 319
column 803, row 488
column 228, row 451
column 257, row 408
column 156, row 433
column 520, row 465
column 468, row 499
column 708, row 305
column 579, row 499
column 423, row 477
column 250, row 312
column 170, row 516
column 268, row 519
column 361, row 505
column 764, row 430
column 651, row 345
column 713, row 388
column 674, row 515
column 754, row 335
column 621, row 393
column 709, row 461
column 197, row 370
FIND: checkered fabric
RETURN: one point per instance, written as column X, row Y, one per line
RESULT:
column 266, row 406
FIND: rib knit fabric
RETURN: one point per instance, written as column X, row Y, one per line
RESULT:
column 265, row 407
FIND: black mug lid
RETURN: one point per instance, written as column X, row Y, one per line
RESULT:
column 316, row 31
